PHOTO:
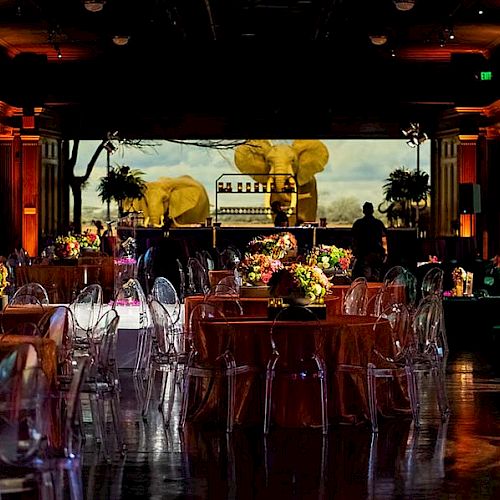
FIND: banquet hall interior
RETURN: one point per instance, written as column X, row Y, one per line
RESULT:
column 164, row 354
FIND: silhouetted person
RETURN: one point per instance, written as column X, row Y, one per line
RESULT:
column 281, row 219
column 369, row 245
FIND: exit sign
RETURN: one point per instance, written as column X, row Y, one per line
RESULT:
column 486, row 75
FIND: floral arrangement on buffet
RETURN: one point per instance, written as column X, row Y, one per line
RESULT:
column 257, row 269
column 330, row 258
column 277, row 246
column 4, row 273
column 66, row 247
column 300, row 281
column 89, row 241
column 459, row 276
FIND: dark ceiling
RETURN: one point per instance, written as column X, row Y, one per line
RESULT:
column 247, row 68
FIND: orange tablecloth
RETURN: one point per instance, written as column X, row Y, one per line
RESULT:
column 13, row 315
column 348, row 340
column 257, row 306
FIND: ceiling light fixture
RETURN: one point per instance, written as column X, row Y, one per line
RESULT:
column 379, row 39
column 121, row 40
column 415, row 135
column 94, row 5
column 404, row 5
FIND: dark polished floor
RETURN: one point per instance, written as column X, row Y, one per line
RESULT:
column 459, row 459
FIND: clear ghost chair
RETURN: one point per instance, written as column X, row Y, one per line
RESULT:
column 231, row 281
column 166, row 356
column 31, row 293
column 432, row 282
column 87, row 308
column 164, row 291
column 211, row 357
column 393, row 362
column 198, row 282
column 430, row 351
column 403, row 284
column 355, row 299
column 226, row 299
column 182, row 280
column 131, row 295
column 298, row 360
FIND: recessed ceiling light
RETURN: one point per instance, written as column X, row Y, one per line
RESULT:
column 121, row 39
column 379, row 39
column 404, row 4
column 94, row 5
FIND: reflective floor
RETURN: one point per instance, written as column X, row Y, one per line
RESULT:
column 459, row 459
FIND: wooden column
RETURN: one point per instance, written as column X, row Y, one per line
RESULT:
column 467, row 173
column 31, row 189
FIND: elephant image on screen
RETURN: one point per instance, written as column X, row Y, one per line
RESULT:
column 182, row 199
column 301, row 160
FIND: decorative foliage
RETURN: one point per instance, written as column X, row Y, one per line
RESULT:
column 120, row 184
column 276, row 245
column 4, row 273
column 402, row 189
column 258, row 268
column 66, row 247
column 330, row 257
column 300, row 280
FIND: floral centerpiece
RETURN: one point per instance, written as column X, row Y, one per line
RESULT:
column 4, row 273
column 66, row 247
column 300, row 281
column 277, row 246
column 89, row 241
column 257, row 269
column 458, row 276
column 330, row 258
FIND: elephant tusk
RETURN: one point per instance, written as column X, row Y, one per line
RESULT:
column 267, row 197
column 303, row 196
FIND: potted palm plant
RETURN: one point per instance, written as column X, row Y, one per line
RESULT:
column 120, row 184
column 403, row 191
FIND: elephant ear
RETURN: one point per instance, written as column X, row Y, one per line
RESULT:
column 250, row 158
column 313, row 156
column 183, row 199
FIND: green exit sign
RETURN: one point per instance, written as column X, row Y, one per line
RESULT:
column 486, row 75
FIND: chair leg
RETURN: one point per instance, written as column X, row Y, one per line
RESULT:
column 268, row 402
column 149, row 390
column 413, row 395
column 230, row 399
column 372, row 397
column 117, row 422
column 185, row 398
column 324, row 402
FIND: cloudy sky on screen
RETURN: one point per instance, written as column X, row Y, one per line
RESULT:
column 356, row 168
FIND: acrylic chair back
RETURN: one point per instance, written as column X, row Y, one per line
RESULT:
column 25, row 294
column 87, row 308
column 432, row 282
column 24, row 397
column 355, row 299
column 164, row 291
